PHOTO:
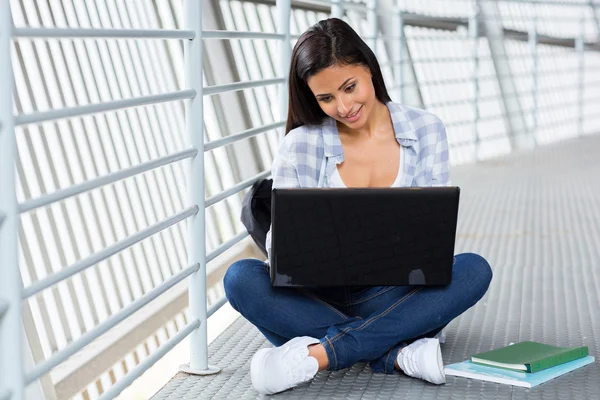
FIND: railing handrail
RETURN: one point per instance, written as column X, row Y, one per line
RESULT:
column 113, row 177
column 103, row 33
column 109, row 251
column 60, row 356
column 114, row 105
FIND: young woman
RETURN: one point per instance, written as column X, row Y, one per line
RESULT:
column 343, row 130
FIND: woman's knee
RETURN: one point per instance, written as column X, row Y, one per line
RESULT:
column 238, row 279
column 475, row 270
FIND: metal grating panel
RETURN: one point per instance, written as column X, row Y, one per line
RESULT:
column 536, row 218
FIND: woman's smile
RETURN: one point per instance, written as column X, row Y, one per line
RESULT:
column 354, row 116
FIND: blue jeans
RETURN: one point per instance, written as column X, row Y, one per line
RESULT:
column 369, row 324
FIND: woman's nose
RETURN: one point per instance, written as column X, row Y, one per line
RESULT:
column 344, row 106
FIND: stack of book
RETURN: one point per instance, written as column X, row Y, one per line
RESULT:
column 525, row 364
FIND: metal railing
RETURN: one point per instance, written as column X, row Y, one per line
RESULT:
column 13, row 383
column 13, row 377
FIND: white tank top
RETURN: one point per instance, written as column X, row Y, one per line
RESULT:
column 335, row 181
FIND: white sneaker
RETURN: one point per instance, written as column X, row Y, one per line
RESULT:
column 441, row 336
column 277, row 369
column 423, row 359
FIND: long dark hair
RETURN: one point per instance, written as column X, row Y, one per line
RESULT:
column 327, row 43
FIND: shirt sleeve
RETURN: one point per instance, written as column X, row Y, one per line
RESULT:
column 441, row 165
column 284, row 175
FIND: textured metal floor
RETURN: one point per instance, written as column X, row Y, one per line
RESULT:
column 536, row 218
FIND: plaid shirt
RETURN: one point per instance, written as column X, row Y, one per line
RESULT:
column 309, row 155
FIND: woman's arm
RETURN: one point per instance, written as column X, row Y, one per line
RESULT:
column 440, row 175
column 284, row 176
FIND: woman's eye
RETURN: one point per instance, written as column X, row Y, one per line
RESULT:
column 350, row 88
column 325, row 99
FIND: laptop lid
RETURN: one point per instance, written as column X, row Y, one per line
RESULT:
column 363, row 236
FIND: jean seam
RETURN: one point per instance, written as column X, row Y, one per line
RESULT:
column 374, row 295
column 333, row 351
column 398, row 353
column 367, row 322
column 386, row 361
column 327, row 305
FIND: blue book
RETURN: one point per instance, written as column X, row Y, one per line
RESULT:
column 467, row 369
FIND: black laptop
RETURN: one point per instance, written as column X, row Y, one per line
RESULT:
column 363, row 237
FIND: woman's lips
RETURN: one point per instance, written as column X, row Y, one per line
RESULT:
column 356, row 116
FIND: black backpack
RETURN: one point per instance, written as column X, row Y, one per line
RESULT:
column 256, row 212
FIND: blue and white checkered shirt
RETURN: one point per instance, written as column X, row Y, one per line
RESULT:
column 309, row 155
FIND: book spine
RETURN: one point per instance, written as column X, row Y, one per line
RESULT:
column 558, row 359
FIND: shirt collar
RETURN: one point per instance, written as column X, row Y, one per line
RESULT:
column 403, row 129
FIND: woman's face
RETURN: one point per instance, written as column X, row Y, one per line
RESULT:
column 345, row 93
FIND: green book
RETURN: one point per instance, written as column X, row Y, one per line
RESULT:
column 529, row 356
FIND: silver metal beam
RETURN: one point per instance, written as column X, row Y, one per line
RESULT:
column 107, row 252
column 580, row 49
column 337, row 9
column 196, row 245
column 226, row 246
column 3, row 308
column 229, row 87
column 240, row 35
column 372, row 20
column 104, row 180
column 406, row 88
column 533, row 48
column 240, row 136
column 595, row 6
column 237, row 188
column 474, row 33
column 11, row 340
column 78, row 33
column 150, row 361
column 513, row 116
column 60, row 356
column 215, row 307
column 284, row 9
column 102, row 107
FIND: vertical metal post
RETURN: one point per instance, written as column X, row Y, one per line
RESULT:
column 398, row 32
column 284, row 8
column 534, row 75
column 474, row 31
column 337, row 9
column 372, row 21
column 11, row 340
column 580, row 48
column 196, row 246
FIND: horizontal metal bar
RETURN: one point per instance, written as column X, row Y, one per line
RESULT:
column 240, row 35
column 548, row 3
column 145, row 365
column 215, row 307
column 79, row 33
column 102, row 107
column 104, row 180
column 234, row 189
column 107, row 252
column 240, row 136
column 60, row 356
column 226, row 246
column 230, row 87
column 3, row 308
